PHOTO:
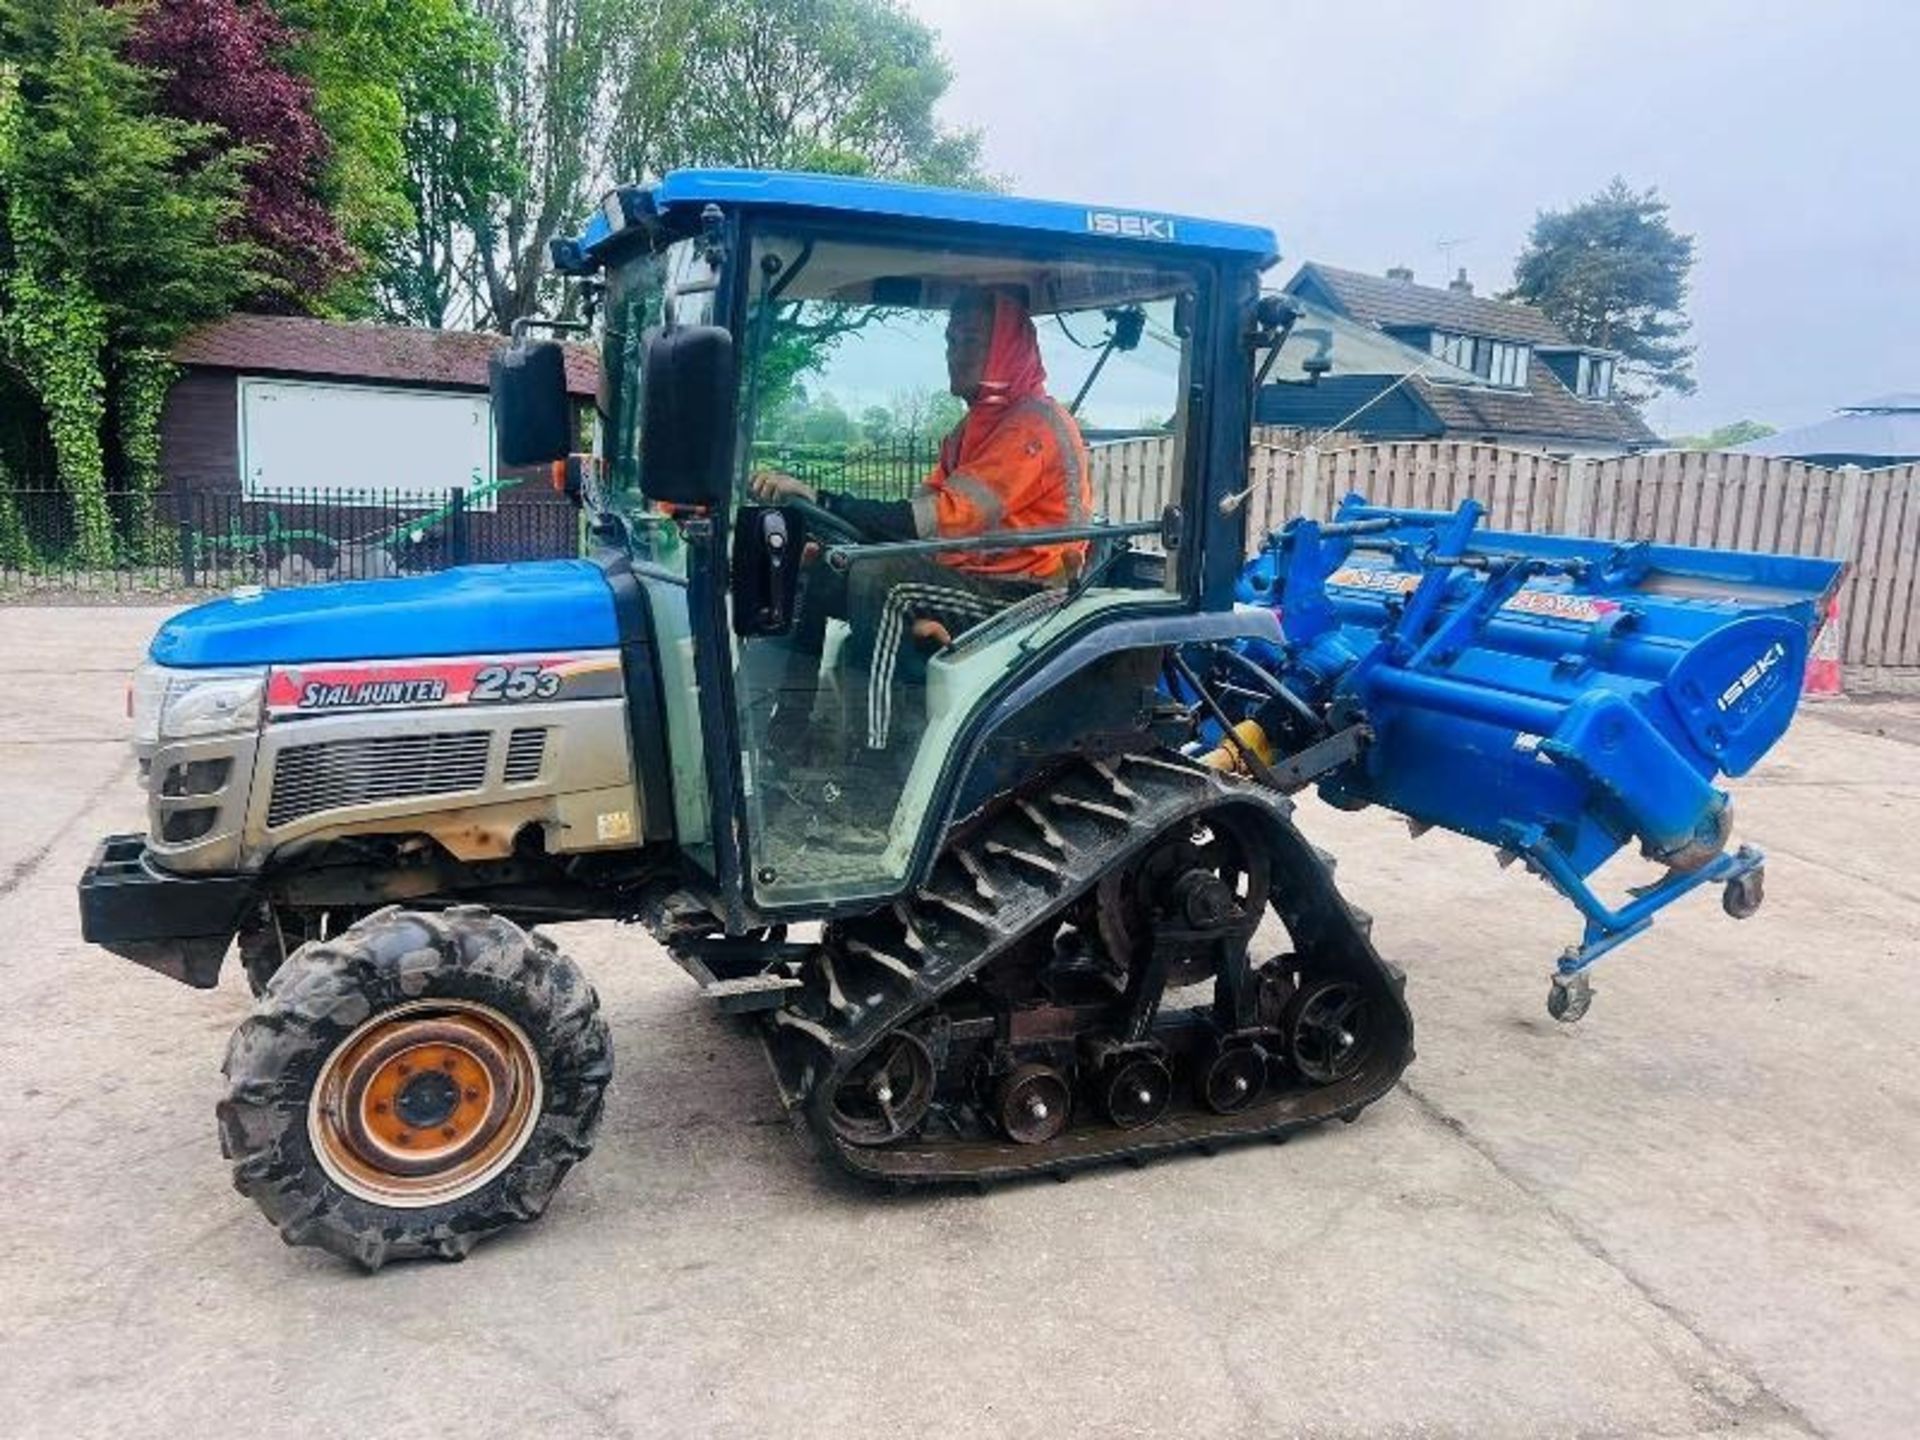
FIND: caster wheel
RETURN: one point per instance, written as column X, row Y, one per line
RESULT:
column 1033, row 1104
column 1231, row 1077
column 1743, row 895
column 1136, row 1091
column 1569, row 996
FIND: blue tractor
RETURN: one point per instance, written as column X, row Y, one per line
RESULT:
column 984, row 866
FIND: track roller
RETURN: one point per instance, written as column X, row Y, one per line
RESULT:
column 1033, row 1103
column 1134, row 1089
column 1230, row 1075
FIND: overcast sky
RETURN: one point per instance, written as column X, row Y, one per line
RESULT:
column 1783, row 136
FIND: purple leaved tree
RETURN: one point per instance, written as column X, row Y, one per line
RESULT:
column 220, row 62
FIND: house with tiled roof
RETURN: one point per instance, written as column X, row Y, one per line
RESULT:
column 267, row 406
column 1461, row 367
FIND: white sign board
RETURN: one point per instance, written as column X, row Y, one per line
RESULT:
column 361, row 442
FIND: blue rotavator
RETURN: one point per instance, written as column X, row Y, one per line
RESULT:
column 911, row 783
column 1557, row 698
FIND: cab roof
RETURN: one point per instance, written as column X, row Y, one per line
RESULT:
column 692, row 190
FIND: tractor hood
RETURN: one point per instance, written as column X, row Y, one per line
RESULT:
column 476, row 609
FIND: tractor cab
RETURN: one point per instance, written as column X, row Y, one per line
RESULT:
column 856, row 668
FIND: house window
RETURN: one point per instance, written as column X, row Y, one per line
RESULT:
column 1495, row 361
column 1505, row 364
column 1454, row 349
column 1594, row 378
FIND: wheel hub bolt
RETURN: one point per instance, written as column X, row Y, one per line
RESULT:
column 884, row 1094
column 1037, row 1108
column 1145, row 1097
column 1240, row 1084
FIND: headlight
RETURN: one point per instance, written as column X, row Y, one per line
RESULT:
column 145, row 695
column 201, row 702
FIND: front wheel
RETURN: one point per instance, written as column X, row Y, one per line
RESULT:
column 414, row 1085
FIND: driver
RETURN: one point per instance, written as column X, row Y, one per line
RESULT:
column 1016, row 461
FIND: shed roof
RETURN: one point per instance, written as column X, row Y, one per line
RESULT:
column 1885, row 429
column 1387, row 303
column 397, row 354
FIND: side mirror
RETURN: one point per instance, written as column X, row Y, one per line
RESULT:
column 767, row 542
column 686, row 420
column 532, row 420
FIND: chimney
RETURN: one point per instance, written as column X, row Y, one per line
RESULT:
column 1460, row 285
column 1400, row 272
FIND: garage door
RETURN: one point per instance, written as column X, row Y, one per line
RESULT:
column 360, row 442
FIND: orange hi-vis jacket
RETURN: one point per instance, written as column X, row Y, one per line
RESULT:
column 1029, row 473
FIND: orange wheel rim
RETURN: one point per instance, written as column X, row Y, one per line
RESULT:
column 425, row 1103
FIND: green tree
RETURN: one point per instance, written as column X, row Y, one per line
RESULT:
column 403, row 89
column 925, row 415
column 824, row 422
column 1727, row 436
column 1612, row 272
column 469, row 134
column 117, row 231
column 842, row 86
column 570, row 70
column 592, row 93
column 459, row 158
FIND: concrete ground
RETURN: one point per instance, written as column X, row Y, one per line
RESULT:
column 1693, row 1214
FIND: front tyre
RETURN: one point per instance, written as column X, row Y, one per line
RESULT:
column 414, row 1084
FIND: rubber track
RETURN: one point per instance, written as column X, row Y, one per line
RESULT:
column 1015, row 869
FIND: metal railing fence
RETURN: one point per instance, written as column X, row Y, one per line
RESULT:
column 195, row 540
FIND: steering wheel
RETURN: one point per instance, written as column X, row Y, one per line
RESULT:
column 823, row 524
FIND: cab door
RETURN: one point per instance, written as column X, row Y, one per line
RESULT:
column 848, row 714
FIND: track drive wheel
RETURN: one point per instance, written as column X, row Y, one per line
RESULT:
column 414, row 1084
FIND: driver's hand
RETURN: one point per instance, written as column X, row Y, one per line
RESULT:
column 773, row 486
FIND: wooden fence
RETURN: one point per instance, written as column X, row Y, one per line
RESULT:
column 1869, row 518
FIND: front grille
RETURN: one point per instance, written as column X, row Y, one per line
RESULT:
column 308, row 779
column 526, row 749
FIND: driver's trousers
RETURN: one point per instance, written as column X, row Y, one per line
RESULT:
column 883, row 600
